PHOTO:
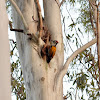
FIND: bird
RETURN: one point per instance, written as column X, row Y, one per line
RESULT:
column 49, row 51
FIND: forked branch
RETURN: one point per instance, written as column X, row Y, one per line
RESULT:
column 32, row 36
column 24, row 22
column 65, row 68
column 20, row 13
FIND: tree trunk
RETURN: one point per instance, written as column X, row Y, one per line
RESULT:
column 40, row 78
column 5, row 91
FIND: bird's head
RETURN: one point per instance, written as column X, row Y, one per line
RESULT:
column 55, row 42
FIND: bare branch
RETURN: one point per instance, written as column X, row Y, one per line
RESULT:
column 65, row 68
column 62, row 2
column 16, row 30
column 57, row 3
column 32, row 36
column 10, row 24
column 74, row 26
column 20, row 13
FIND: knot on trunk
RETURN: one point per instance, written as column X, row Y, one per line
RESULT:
column 42, row 79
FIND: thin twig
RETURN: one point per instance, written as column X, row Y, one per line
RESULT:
column 62, row 2
column 10, row 25
column 74, row 26
column 57, row 3
column 94, row 76
column 32, row 35
column 70, row 46
column 34, row 19
column 16, row 30
column 20, row 13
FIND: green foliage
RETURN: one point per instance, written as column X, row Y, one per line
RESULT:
column 8, row 5
column 83, row 71
column 17, row 83
column 85, row 74
column 84, row 17
column 81, row 80
column 72, row 2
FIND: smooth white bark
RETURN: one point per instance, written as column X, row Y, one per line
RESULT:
column 42, row 81
column 40, row 77
column 53, row 21
column 20, row 13
column 5, row 92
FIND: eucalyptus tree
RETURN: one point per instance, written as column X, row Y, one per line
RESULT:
column 43, row 81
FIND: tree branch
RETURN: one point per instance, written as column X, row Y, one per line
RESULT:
column 40, row 18
column 32, row 36
column 16, row 30
column 92, row 23
column 20, row 13
column 62, row 2
column 98, row 41
column 94, row 6
column 65, row 68
column 57, row 3
column 74, row 26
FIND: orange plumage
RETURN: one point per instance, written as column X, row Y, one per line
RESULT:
column 52, row 51
column 49, row 51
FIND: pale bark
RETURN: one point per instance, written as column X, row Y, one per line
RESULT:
column 98, row 41
column 19, row 12
column 5, row 91
column 40, row 77
column 95, row 10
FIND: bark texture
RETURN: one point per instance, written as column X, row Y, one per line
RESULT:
column 5, row 92
column 40, row 78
